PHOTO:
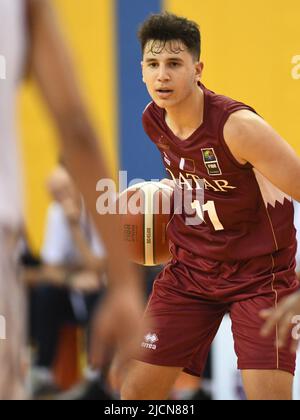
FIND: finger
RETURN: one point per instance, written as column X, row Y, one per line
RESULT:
column 268, row 327
column 271, row 322
column 284, row 329
column 274, row 317
column 294, row 346
column 264, row 314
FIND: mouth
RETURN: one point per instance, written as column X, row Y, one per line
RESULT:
column 164, row 93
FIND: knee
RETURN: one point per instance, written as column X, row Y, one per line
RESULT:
column 130, row 391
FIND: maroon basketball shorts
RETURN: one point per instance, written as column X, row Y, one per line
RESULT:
column 187, row 306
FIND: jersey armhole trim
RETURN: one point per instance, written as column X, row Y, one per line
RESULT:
column 228, row 152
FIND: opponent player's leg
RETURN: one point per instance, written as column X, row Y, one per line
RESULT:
column 149, row 382
column 12, row 309
column 267, row 369
column 268, row 384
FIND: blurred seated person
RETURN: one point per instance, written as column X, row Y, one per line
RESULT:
column 72, row 276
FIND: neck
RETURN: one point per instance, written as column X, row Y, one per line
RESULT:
column 186, row 117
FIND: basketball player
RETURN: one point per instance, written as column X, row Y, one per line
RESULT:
column 29, row 36
column 241, row 258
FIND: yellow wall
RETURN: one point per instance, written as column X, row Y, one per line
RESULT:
column 90, row 31
column 247, row 50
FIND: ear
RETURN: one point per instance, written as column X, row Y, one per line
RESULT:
column 198, row 71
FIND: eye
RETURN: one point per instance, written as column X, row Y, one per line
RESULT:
column 174, row 64
column 152, row 65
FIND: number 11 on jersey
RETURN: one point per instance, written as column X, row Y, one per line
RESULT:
column 212, row 213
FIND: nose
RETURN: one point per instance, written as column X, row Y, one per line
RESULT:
column 163, row 74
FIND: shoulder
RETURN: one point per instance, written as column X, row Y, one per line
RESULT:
column 148, row 107
column 222, row 102
column 244, row 128
column 241, row 122
column 153, row 120
column 249, row 135
column 152, row 111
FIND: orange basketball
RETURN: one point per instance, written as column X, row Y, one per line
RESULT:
column 145, row 210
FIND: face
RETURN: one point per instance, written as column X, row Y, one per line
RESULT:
column 171, row 74
column 61, row 186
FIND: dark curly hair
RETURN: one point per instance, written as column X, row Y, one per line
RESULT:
column 165, row 27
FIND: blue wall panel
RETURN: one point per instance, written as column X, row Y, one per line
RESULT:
column 138, row 155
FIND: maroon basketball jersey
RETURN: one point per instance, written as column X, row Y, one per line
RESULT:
column 245, row 216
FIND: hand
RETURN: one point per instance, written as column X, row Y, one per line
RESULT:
column 116, row 327
column 85, row 282
column 282, row 316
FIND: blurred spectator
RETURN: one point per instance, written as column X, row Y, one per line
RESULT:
column 74, row 265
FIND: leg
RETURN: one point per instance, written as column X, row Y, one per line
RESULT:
column 13, row 359
column 267, row 369
column 53, row 309
column 186, row 386
column 148, row 382
column 268, row 384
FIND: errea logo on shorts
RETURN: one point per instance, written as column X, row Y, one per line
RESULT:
column 150, row 340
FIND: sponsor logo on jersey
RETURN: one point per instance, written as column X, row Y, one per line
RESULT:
column 149, row 341
column 209, row 155
column 211, row 162
column 213, row 168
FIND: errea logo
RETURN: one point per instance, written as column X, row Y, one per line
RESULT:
column 150, row 340
column 2, row 67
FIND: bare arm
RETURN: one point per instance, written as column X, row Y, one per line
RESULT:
column 54, row 73
column 122, row 311
column 52, row 274
column 253, row 140
column 56, row 274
